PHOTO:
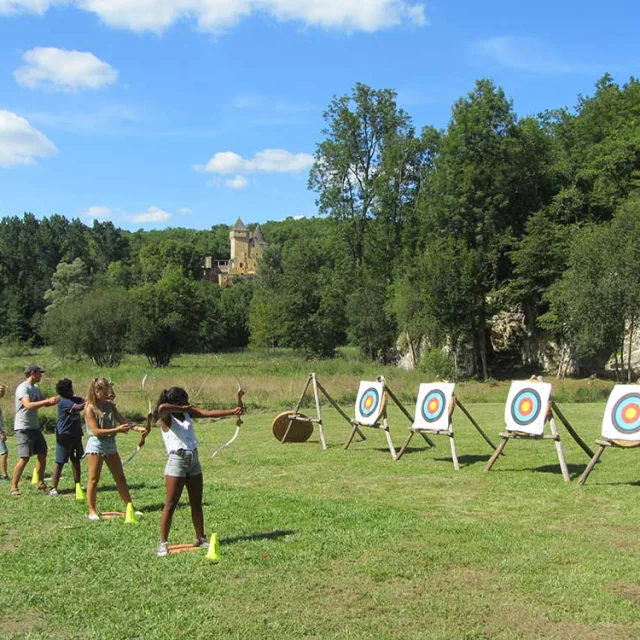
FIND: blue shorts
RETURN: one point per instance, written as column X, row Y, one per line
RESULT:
column 3, row 448
column 102, row 446
column 68, row 447
column 183, row 463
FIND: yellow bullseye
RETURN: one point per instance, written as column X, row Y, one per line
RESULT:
column 631, row 413
column 526, row 407
column 433, row 406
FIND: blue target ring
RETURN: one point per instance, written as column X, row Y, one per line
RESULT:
column 626, row 414
column 433, row 405
column 369, row 402
column 526, row 407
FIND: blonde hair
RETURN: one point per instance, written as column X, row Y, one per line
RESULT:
column 98, row 384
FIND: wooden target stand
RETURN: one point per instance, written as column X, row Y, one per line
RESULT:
column 602, row 445
column 552, row 411
column 383, row 424
column 448, row 432
column 615, row 423
column 293, row 426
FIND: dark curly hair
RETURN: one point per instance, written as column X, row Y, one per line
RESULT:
column 172, row 395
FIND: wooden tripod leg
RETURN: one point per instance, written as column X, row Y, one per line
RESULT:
column 405, row 444
column 496, row 453
column 332, row 402
column 456, row 464
column 427, row 439
column 323, row 442
column 559, row 450
column 297, row 408
column 351, row 435
column 392, row 450
column 592, row 463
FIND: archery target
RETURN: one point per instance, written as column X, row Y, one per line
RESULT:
column 369, row 403
column 622, row 414
column 433, row 406
column 527, row 405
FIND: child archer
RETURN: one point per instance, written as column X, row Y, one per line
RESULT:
column 183, row 466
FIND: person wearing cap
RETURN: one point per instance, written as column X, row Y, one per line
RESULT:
column 26, row 426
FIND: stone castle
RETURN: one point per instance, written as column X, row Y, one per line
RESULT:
column 246, row 248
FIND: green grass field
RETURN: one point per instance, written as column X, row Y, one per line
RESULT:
column 335, row 544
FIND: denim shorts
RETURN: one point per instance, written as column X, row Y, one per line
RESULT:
column 31, row 442
column 3, row 448
column 101, row 446
column 66, row 448
column 183, row 463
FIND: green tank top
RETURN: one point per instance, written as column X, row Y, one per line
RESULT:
column 106, row 421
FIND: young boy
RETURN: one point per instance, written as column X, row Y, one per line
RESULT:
column 68, row 434
column 4, row 452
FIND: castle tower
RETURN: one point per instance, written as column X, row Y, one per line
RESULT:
column 239, row 236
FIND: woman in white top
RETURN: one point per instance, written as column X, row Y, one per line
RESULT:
column 183, row 467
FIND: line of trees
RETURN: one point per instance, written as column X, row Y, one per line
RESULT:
column 432, row 236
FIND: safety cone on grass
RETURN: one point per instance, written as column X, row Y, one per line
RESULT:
column 79, row 492
column 130, row 516
column 34, row 478
column 214, row 549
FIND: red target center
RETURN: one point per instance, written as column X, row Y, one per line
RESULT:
column 368, row 402
column 433, row 405
column 630, row 413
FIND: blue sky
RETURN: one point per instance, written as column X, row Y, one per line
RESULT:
column 157, row 113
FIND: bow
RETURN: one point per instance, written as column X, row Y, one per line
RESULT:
column 147, row 429
column 239, row 394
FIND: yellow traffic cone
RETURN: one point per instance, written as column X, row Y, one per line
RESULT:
column 34, row 478
column 79, row 492
column 214, row 549
column 130, row 516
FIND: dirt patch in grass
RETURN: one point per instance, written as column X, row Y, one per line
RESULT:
column 630, row 592
column 19, row 627
column 9, row 540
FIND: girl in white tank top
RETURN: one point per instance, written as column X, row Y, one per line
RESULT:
column 183, row 467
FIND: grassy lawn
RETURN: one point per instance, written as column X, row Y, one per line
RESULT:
column 332, row 544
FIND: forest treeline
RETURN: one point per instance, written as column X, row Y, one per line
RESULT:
column 497, row 239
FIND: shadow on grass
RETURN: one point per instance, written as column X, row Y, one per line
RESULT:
column 268, row 535
column 132, row 487
column 466, row 460
column 575, row 470
column 631, row 483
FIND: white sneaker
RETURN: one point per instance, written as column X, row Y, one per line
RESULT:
column 138, row 513
column 163, row 549
column 53, row 493
column 93, row 517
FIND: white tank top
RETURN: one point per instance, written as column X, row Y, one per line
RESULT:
column 180, row 434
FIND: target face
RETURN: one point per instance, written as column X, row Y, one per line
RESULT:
column 369, row 403
column 526, row 408
column 622, row 414
column 433, row 406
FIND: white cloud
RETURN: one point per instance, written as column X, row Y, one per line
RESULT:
column 98, row 212
column 528, row 54
column 184, row 211
column 20, row 143
column 265, row 161
column 237, row 182
column 60, row 70
column 151, row 215
column 216, row 15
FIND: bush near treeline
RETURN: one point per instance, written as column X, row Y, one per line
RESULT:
column 425, row 234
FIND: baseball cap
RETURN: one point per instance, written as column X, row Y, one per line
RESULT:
column 32, row 368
